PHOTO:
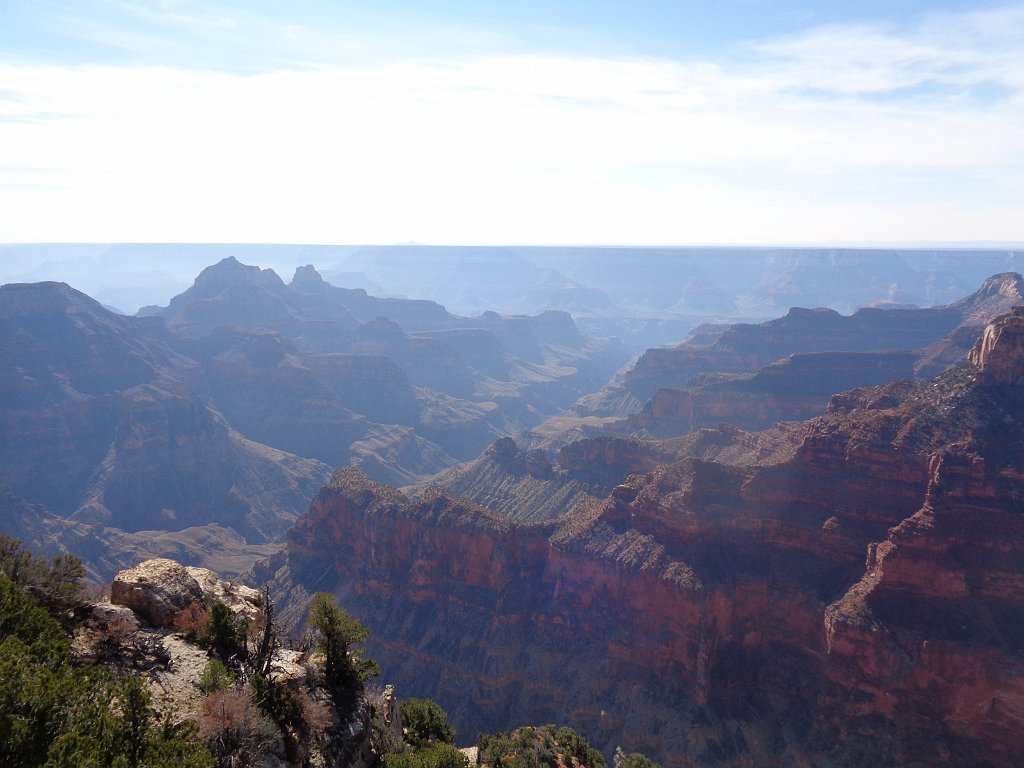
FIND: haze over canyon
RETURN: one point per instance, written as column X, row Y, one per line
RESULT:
column 726, row 507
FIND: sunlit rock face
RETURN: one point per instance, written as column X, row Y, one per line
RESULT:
column 165, row 593
column 1000, row 351
column 854, row 601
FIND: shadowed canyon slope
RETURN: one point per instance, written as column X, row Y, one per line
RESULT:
column 103, row 423
column 854, row 601
column 231, row 410
column 313, row 368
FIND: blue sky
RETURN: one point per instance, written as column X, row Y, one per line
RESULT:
column 737, row 121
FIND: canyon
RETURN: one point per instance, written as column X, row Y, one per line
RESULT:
column 208, row 424
column 939, row 337
column 795, row 542
column 854, row 601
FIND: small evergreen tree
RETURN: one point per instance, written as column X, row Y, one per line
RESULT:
column 224, row 632
column 346, row 669
column 215, row 677
column 56, row 585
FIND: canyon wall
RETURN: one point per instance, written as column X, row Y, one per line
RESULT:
column 855, row 602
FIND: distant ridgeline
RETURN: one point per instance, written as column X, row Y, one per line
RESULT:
column 621, row 553
column 644, row 296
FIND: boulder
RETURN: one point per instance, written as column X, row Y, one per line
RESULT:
column 165, row 593
column 244, row 601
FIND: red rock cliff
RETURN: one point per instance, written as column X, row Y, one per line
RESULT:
column 858, row 603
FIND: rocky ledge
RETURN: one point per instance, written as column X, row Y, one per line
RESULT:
column 152, row 627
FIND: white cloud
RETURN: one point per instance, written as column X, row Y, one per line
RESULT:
column 807, row 139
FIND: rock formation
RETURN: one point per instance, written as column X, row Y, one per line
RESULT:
column 999, row 353
column 153, row 628
column 232, row 411
column 165, row 593
column 795, row 388
column 854, row 601
column 310, row 368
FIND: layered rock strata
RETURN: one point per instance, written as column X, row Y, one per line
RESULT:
column 796, row 388
column 855, row 602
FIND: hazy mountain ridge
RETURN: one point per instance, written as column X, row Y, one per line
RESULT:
column 646, row 296
column 941, row 335
column 459, row 383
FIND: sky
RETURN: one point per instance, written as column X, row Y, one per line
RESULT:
column 599, row 122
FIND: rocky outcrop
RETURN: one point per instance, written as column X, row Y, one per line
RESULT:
column 856, row 601
column 165, row 593
column 152, row 629
column 999, row 353
column 998, row 295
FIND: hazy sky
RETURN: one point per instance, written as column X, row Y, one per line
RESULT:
column 736, row 121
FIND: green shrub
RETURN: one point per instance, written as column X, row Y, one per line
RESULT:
column 215, row 677
column 635, row 760
column 55, row 584
column 425, row 721
column 224, row 632
column 437, row 755
column 56, row 714
column 543, row 747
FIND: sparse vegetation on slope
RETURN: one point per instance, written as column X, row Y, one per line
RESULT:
column 56, row 713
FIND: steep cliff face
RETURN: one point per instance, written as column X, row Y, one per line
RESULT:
column 1000, row 351
column 171, row 463
column 931, row 634
column 855, row 602
column 998, row 295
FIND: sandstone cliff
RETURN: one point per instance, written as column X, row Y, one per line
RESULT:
column 856, row 601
